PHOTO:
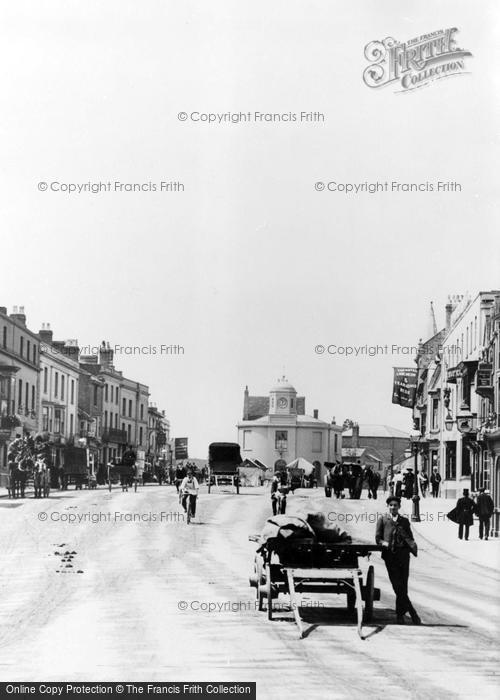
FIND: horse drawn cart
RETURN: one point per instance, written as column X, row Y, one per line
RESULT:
column 78, row 468
column 224, row 459
column 125, row 474
column 293, row 558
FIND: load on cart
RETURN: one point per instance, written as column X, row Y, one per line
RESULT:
column 306, row 555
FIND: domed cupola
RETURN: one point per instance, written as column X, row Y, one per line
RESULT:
column 283, row 398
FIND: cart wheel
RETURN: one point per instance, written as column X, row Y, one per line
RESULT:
column 269, row 593
column 369, row 590
column 260, row 597
column 351, row 601
column 259, row 589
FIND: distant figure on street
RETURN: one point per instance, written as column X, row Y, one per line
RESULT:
column 275, row 484
column 484, row 511
column 424, row 482
column 465, row 514
column 397, row 482
column 338, row 480
column 366, row 475
column 189, row 488
column 408, row 481
column 279, row 488
column 435, row 481
column 393, row 532
column 61, row 478
column 180, row 473
column 373, row 484
column 128, row 468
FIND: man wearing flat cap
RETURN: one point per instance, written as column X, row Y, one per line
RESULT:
column 394, row 534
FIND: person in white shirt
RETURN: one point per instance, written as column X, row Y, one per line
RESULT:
column 189, row 489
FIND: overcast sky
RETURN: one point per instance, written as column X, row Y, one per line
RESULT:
column 249, row 268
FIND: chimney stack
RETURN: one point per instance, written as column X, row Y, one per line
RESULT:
column 105, row 355
column 315, row 413
column 448, row 310
column 3, row 310
column 45, row 334
column 246, row 404
column 355, row 435
column 18, row 315
column 71, row 348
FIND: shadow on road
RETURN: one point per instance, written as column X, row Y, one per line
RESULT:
column 340, row 617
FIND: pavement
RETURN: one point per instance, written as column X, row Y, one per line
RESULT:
column 436, row 530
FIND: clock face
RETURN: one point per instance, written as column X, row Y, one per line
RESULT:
column 283, row 403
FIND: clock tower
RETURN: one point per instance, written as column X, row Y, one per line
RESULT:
column 283, row 399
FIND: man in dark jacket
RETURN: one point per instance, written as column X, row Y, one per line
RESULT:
column 394, row 534
column 465, row 514
column 409, row 481
column 484, row 511
column 278, row 492
column 373, row 484
column 435, row 481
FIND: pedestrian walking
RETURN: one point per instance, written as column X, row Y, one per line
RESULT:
column 373, row 484
column 484, row 511
column 463, row 514
column 366, row 476
column 435, row 482
column 394, row 533
column 338, row 480
column 397, row 483
column 328, row 483
column 424, row 482
column 279, row 490
column 408, row 481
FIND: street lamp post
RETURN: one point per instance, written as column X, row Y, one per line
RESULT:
column 415, row 515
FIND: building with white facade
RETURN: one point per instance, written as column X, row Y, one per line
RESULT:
column 455, row 404
column 59, row 385
column 159, row 447
column 285, row 432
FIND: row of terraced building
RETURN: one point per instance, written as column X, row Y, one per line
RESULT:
column 49, row 387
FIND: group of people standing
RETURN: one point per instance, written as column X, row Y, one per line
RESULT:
column 467, row 507
column 403, row 483
column 354, row 477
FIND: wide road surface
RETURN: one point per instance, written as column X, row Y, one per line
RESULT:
column 131, row 603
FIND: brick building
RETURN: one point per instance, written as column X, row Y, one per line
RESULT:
column 378, row 446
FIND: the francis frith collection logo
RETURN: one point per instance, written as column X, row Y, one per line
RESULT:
column 414, row 63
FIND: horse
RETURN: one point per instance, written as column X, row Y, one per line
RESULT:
column 355, row 481
column 373, row 484
column 17, row 482
column 127, row 475
column 41, row 480
column 338, row 480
